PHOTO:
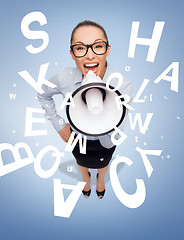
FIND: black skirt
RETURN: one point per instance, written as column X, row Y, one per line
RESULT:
column 96, row 155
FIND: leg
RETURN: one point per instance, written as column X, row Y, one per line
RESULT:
column 85, row 176
column 100, row 186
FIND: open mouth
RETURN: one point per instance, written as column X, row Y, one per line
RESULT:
column 91, row 66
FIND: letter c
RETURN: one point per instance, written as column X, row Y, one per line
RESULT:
column 129, row 200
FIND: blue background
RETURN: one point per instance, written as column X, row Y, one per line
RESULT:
column 26, row 202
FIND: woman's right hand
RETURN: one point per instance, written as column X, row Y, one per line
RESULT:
column 65, row 133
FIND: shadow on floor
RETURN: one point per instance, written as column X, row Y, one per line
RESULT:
column 70, row 169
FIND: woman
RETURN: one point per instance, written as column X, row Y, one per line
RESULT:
column 89, row 49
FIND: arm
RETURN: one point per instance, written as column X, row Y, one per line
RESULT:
column 65, row 133
column 48, row 104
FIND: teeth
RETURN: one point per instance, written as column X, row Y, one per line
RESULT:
column 91, row 65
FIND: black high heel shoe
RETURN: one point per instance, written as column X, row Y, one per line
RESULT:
column 100, row 194
column 87, row 193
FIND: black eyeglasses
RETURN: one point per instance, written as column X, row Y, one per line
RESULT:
column 80, row 50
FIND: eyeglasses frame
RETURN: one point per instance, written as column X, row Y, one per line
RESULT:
column 89, row 46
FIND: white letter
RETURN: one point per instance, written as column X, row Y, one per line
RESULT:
column 142, row 128
column 115, row 76
column 29, row 18
column 146, row 162
column 70, row 145
column 19, row 162
column 126, row 98
column 122, row 138
column 141, row 89
column 12, row 96
column 152, row 43
column 41, row 78
column 173, row 79
column 37, row 165
column 66, row 102
column 131, row 201
column 30, row 120
column 69, row 169
column 64, row 208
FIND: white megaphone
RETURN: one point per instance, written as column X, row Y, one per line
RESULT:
column 93, row 96
column 95, row 111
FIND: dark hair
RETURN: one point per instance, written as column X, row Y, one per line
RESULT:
column 88, row 23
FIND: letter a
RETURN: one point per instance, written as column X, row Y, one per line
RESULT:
column 68, row 100
column 64, row 208
column 173, row 79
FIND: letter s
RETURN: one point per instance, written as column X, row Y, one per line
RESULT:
column 29, row 18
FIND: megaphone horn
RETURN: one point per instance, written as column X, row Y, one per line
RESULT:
column 95, row 112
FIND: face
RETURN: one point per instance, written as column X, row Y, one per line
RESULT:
column 91, row 61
